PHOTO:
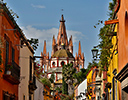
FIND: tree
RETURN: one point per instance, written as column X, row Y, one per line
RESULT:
column 68, row 72
column 52, row 78
column 64, row 87
column 80, row 76
column 46, row 81
column 106, row 43
column 33, row 42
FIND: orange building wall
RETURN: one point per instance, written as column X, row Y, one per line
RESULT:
column 14, row 38
column 122, row 36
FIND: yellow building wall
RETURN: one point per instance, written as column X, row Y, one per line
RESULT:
column 89, row 79
column 113, row 64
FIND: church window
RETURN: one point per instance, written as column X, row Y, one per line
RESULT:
column 62, row 63
column 53, row 64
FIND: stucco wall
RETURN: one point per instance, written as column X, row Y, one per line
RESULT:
column 81, row 88
column 25, row 54
column 38, row 93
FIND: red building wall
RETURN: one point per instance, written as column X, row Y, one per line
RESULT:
column 13, row 37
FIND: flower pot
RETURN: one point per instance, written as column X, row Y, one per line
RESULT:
column 8, row 72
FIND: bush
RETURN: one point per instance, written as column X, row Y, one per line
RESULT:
column 46, row 81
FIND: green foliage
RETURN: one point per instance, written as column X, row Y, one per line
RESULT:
column 80, row 76
column 59, row 89
column 105, row 43
column 9, row 66
column 105, row 46
column 111, row 8
column 64, row 87
column 90, row 65
column 52, row 78
column 65, row 97
column 13, row 14
column 68, row 71
column 33, row 42
column 46, row 81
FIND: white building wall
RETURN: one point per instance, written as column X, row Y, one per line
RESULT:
column 81, row 88
column 23, row 90
column 55, row 62
column 38, row 93
column 61, row 61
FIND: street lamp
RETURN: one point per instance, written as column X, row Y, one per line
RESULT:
column 94, row 52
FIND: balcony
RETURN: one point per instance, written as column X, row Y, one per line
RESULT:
column 32, row 85
column 12, row 75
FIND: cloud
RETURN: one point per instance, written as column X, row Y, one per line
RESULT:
column 38, row 6
column 47, row 34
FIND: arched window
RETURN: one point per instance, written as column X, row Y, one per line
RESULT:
column 53, row 64
column 126, row 28
column 62, row 63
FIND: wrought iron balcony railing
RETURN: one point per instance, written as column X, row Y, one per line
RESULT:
column 13, row 74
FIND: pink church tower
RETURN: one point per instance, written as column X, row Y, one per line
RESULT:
column 62, row 52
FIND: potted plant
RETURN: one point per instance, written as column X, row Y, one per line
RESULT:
column 9, row 67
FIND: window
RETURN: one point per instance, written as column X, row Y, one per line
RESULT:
column 53, row 64
column 23, row 97
column 7, row 52
column 8, row 96
column 7, row 55
column 13, row 54
column 62, row 63
column 30, row 73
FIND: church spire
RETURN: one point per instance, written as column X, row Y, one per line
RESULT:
column 70, row 41
column 62, row 36
column 79, row 50
column 53, row 41
column 44, row 51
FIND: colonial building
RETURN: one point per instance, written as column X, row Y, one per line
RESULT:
column 62, row 53
column 10, row 35
column 121, row 73
column 28, row 80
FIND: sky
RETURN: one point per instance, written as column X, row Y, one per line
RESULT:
column 40, row 19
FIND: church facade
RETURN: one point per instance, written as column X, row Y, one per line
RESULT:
column 62, row 53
